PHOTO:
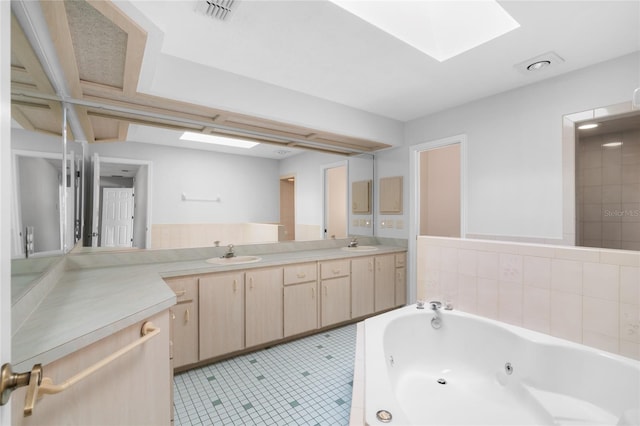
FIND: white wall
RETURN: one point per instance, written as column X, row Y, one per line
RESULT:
column 515, row 148
column 247, row 186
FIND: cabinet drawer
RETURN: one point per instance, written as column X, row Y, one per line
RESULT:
column 186, row 288
column 335, row 268
column 301, row 273
column 401, row 260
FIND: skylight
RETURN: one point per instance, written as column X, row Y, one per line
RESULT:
column 217, row 140
column 441, row 29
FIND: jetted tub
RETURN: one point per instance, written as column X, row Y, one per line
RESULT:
column 476, row 371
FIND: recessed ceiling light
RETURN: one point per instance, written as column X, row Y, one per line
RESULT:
column 612, row 144
column 588, row 126
column 441, row 29
column 217, row 140
column 538, row 65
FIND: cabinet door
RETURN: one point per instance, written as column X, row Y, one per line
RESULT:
column 221, row 314
column 385, row 282
column 185, row 333
column 300, row 308
column 362, row 286
column 401, row 286
column 264, row 306
column 336, row 303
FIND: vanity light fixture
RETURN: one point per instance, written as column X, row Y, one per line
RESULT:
column 217, row 140
column 441, row 29
column 588, row 126
column 612, row 144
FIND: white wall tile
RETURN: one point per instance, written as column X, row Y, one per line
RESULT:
column 487, row 303
column 630, row 285
column 600, row 316
column 565, row 317
column 510, row 302
column 449, row 259
column 467, row 262
column 537, row 271
column 566, row 276
column 536, row 308
column 487, row 265
column 600, row 341
column 467, row 293
column 630, row 322
column 630, row 349
column 510, row 268
column 601, row 281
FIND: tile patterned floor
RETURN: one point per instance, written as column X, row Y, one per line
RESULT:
column 305, row 382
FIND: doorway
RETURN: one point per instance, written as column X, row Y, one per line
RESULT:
column 335, row 201
column 287, row 228
column 124, row 219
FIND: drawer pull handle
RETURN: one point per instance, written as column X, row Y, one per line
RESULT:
column 250, row 283
column 325, row 291
column 186, row 316
column 336, row 271
column 180, row 292
column 235, row 285
column 313, row 293
column 301, row 275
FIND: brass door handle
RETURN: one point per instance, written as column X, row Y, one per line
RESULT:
column 12, row 381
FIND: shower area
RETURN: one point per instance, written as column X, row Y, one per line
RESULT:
column 608, row 184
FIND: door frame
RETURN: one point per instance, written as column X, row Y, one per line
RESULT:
column 414, row 198
column 130, row 161
column 325, row 168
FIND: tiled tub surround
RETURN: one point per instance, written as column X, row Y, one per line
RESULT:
column 100, row 293
column 474, row 370
column 585, row 295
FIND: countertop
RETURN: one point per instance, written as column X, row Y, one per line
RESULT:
column 89, row 303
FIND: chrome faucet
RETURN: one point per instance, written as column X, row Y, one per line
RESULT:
column 353, row 242
column 436, row 321
column 229, row 252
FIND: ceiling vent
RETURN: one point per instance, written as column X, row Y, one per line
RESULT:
column 217, row 9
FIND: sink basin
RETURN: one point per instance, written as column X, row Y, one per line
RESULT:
column 360, row 248
column 237, row 260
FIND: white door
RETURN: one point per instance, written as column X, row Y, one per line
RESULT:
column 335, row 216
column 117, row 217
column 95, row 214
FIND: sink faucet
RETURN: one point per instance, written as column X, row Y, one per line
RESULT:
column 435, row 305
column 229, row 252
column 353, row 242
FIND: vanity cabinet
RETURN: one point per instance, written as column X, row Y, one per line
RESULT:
column 134, row 389
column 222, row 314
column 184, row 320
column 335, row 292
column 362, row 286
column 401, row 279
column 263, row 306
column 300, row 298
column 385, row 282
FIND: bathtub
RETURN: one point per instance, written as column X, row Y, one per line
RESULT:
column 475, row 371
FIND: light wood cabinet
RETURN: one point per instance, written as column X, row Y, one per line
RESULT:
column 264, row 306
column 300, row 298
column 184, row 317
column 385, row 282
column 401, row 279
column 362, row 286
column 221, row 314
column 134, row 389
column 335, row 301
column 300, row 308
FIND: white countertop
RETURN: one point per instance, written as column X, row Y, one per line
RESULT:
column 88, row 304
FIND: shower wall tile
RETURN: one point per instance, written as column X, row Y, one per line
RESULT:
column 601, row 281
column 488, row 265
column 536, row 308
column 600, row 341
column 630, row 285
column 601, row 316
column 566, row 276
column 537, row 271
column 565, row 316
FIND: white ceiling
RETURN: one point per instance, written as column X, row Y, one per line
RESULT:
column 316, row 48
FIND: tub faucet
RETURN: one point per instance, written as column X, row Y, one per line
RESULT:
column 436, row 322
column 353, row 242
column 229, row 252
